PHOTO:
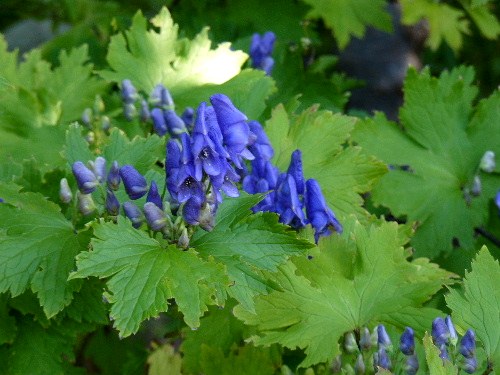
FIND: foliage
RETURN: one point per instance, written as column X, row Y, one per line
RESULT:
column 132, row 263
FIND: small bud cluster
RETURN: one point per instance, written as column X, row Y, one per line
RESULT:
column 95, row 120
column 445, row 338
column 261, row 50
column 162, row 115
column 365, row 352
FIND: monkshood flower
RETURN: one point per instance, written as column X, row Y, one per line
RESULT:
column 159, row 123
column 411, row 364
column 365, row 340
column 468, row 344
column 381, row 359
column 133, row 213
column 288, row 204
column 497, row 201
column 155, row 216
column 225, row 181
column 295, row 170
column 129, row 93
column 320, row 216
column 85, row 203
column 112, row 203
column 234, row 128
column 99, row 168
column 383, row 339
column 86, row 179
column 407, row 342
column 263, row 179
column 261, row 147
column 135, row 183
column 470, row 365
column 440, row 332
column 154, row 196
column 172, row 167
column 188, row 117
column 175, row 124
column 261, row 49
column 161, row 97
column 206, row 158
column 187, row 185
column 451, row 329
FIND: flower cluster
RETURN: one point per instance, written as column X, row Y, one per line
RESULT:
column 158, row 109
column 445, row 338
column 364, row 349
column 289, row 193
column 261, row 49
column 207, row 154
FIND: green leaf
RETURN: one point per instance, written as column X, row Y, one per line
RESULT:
column 362, row 277
column 446, row 23
column 76, row 147
column 248, row 244
column 485, row 20
column 435, row 364
column 140, row 152
column 477, row 305
column 164, row 360
column 442, row 142
column 219, row 329
column 143, row 275
column 350, row 18
column 343, row 172
column 148, row 57
column 8, row 327
column 37, row 249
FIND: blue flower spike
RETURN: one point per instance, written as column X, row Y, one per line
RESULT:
column 407, row 342
column 320, row 216
column 468, row 344
column 85, row 178
column 135, row 183
column 133, row 213
column 440, row 332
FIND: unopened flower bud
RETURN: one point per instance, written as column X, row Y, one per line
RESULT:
column 161, row 96
column 383, row 338
column 86, row 204
column 350, row 344
column 468, row 344
column 144, row 114
column 98, row 104
column 90, row 137
column 411, row 364
column 443, row 353
column 451, row 330
column 112, row 204
column 135, row 183
column 129, row 93
column 64, row 191
column 154, row 216
column 440, row 332
column 183, row 241
column 87, row 117
column 175, row 125
column 153, row 195
column 105, row 123
column 359, row 366
column 113, row 180
column 470, row 365
column 337, row 364
column 133, row 213
column 407, row 342
column 159, row 124
column 383, row 359
column 188, row 117
column 365, row 339
column 99, row 168
column 476, row 186
column 129, row 111
column 487, row 163
column 85, row 178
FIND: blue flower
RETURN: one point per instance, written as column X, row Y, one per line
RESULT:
column 153, row 195
column 161, row 97
column 135, row 183
column 295, row 169
column 145, row 113
column 440, row 332
column 129, row 93
column 85, row 178
column 64, row 191
column 261, row 49
column 443, row 353
column 451, row 329
column 191, row 211
column 185, row 181
column 411, row 364
column 188, row 117
column 497, row 201
column 288, row 205
column 159, row 123
column 113, row 179
column 261, row 147
column 319, row 214
column 155, row 216
column 383, row 339
column 99, row 168
column 383, row 360
column 112, row 204
column 470, row 365
column 407, row 342
column 206, row 157
column 234, row 128
column 133, row 213
column 263, row 179
column 468, row 344
column 226, row 181
column 175, row 125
